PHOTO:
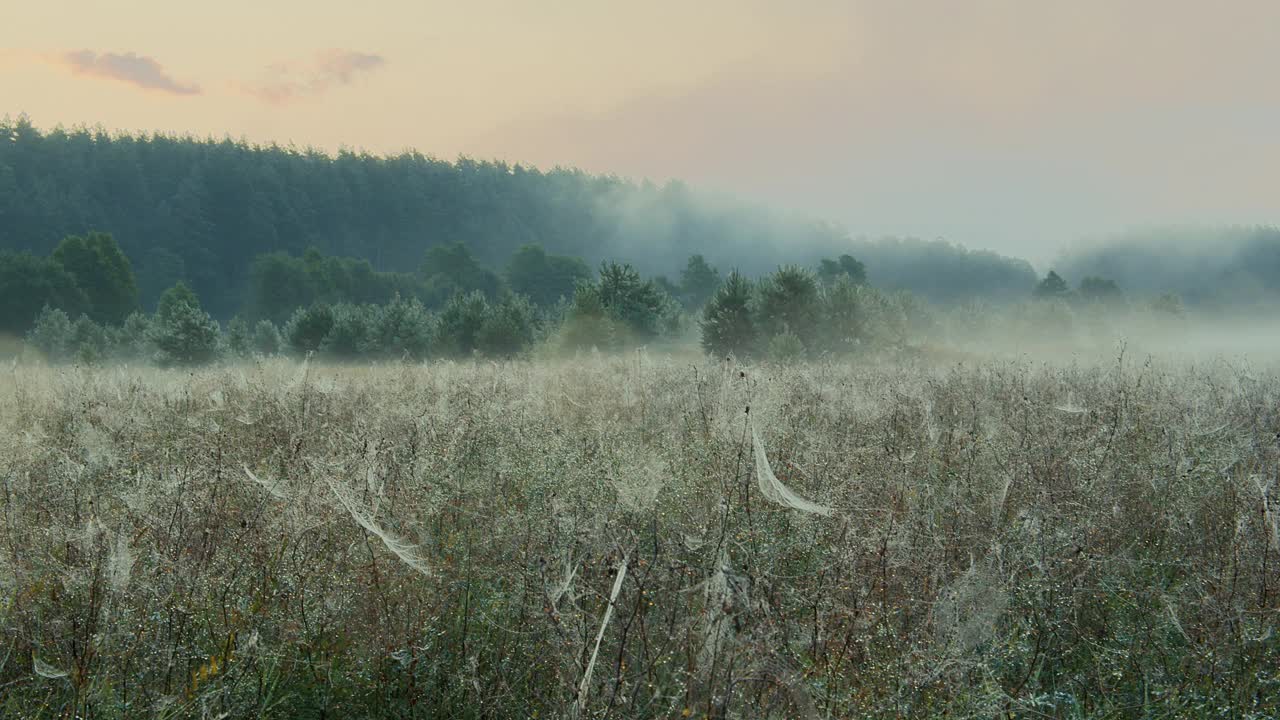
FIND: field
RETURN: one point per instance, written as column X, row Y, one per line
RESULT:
column 641, row 537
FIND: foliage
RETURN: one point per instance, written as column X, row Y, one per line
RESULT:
column 183, row 333
column 460, row 323
column 52, row 335
column 280, row 283
column 239, row 339
column 352, row 332
column 509, row 328
column 544, row 279
column 1097, row 289
column 636, row 304
column 28, row 284
column 403, row 329
column 699, row 281
column 201, row 210
column 306, row 330
column 266, row 339
column 450, row 270
column 785, row 347
column 790, row 302
column 844, row 266
column 1052, row 286
column 102, row 272
column 728, row 325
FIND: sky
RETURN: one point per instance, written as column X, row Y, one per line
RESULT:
column 1015, row 125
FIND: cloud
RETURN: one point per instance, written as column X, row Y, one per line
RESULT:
column 286, row 82
column 137, row 70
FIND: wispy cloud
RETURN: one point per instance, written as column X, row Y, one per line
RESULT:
column 294, row 80
column 137, row 70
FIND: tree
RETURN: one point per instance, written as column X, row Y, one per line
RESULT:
column 728, row 327
column 789, row 301
column 543, row 278
column 698, row 281
column 461, row 321
column 509, row 328
column 402, row 329
column 451, row 269
column 1099, row 289
column 352, row 332
column 28, row 284
column 846, row 311
column 266, row 338
column 844, row 266
column 637, row 304
column 1052, row 286
column 103, row 272
column 306, row 330
column 52, row 335
column 184, row 334
column 238, row 337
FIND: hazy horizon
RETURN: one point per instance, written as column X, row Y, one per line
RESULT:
column 996, row 125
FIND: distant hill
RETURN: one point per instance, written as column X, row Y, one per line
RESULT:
column 200, row 210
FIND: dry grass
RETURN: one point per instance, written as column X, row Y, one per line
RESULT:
column 1004, row 538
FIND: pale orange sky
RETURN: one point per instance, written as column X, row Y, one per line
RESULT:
column 1018, row 126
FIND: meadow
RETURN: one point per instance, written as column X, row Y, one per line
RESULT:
column 641, row 536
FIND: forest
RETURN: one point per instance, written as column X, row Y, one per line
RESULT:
column 201, row 211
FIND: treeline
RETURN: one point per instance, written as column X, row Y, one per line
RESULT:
column 341, row 309
column 1208, row 267
column 202, row 211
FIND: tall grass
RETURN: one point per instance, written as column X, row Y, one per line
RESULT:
column 620, row 537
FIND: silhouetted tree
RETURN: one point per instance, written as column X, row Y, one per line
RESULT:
column 1052, row 286
column 103, row 272
column 728, row 327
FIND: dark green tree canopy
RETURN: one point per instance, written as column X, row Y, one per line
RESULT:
column 451, row 269
column 1099, row 289
column 1052, row 286
column 543, row 278
column 846, row 266
column 789, row 301
column 29, row 284
column 103, row 272
column 728, row 326
column 698, row 281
